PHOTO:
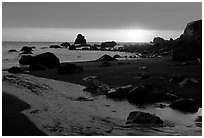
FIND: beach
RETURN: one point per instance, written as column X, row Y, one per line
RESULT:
column 59, row 106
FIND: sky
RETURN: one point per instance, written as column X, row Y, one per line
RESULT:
column 98, row 22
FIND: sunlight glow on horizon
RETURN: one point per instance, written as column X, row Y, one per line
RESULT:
column 91, row 35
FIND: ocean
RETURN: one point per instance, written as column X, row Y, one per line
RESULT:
column 65, row 55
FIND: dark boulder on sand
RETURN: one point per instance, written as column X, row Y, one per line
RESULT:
column 143, row 118
column 26, row 48
column 72, row 47
column 119, row 92
column 55, row 46
column 26, row 60
column 116, row 56
column 80, row 39
column 147, row 93
column 106, row 58
column 12, row 50
column 68, row 68
column 15, row 69
column 185, row 105
column 48, row 60
column 65, row 44
column 189, row 45
column 108, row 44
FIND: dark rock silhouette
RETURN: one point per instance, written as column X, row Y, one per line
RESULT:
column 143, row 118
column 65, row 44
column 55, row 46
column 116, row 56
column 106, row 58
column 189, row 45
column 158, row 40
column 12, row 50
column 69, row 68
column 80, row 39
column 72, row 47
column 26, row 48
column 147, row 93
column 47, row 59
column 188, row 82
column 108, row 44
column 185, row 105
column 15, row 69
column 26, row 60
column 119, row 92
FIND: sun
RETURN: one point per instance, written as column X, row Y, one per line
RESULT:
column 137, row 35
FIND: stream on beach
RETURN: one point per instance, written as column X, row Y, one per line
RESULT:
column 61, row 108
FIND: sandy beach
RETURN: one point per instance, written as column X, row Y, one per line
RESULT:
column 59, row 106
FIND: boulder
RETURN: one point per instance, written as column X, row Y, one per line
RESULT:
column 108, row 44
column 72, row 47
column 80, row 39
column 68, row 68
column 119, row 92
column 185, row 105
column 65, row 44
column 55, row 46
column 15, row 69
column 26, row 60
column 143, row 118
column 105, row 64
column 116, row 56
column 106, row 58
column 26, row 48
column 97, row 87
column 12, row 50
column 48, row 60
column 147, row 93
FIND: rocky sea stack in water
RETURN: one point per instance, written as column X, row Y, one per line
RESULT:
column 80, row 39
column 189, row 45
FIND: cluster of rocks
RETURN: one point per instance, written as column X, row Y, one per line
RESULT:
column 141, row 94
column 187, row 47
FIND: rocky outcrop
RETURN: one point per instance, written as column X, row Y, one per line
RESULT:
column 189, row 45
column 105, row 64
column 80, row 39
column 72, row 47
column 158, row 40
column 69, row 68
column 108, row 44
column 143, row 118
column 185, row 105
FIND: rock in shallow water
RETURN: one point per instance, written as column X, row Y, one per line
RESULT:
column 143, row 118
column 185, row 105
column 15, row 69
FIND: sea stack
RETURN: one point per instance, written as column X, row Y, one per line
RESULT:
column 80, row 39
